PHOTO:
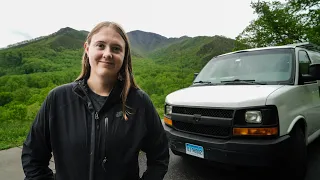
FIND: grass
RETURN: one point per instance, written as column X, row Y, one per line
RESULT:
column 13, row 134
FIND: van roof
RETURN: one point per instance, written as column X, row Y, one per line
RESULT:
column 306, row 45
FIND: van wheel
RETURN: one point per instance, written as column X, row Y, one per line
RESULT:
column 296, row 162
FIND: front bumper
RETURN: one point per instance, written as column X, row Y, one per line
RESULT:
column 244, row 152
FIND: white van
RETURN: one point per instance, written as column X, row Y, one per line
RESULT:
column 254, row 107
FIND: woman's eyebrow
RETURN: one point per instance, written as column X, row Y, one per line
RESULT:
column 100, row 42
column 114, row 43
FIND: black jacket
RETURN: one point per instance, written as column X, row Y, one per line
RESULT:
column 90, row 145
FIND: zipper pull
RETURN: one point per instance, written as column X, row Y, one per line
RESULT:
column 106, row 122
column 104, row 160
column 96, row 116
column 103, row 164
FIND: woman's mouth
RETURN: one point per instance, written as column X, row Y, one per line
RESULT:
column 107, row 62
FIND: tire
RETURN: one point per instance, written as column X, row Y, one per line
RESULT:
column 296, row 161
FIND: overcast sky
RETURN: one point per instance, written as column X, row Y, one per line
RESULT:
column 21, row 19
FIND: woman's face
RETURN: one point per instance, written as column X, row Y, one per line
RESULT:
column 106, row 53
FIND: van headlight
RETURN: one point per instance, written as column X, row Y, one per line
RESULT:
column 167, row 115
column 168, row 110
column 253, row 117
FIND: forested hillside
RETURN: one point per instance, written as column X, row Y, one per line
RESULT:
column 193, row 53
column 144, row 43
column 29, row 70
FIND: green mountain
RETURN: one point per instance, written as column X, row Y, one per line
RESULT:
column 61, row 50
column 143, row 43
column 30, row 69
column 55, row 52
column 194, row 52
column 66, row 37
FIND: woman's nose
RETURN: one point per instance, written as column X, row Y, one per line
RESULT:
column 107, row 53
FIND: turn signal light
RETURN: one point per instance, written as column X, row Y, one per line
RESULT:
column 167, row 121
column 255, row 131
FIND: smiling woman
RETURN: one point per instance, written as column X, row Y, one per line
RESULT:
column 96, row 126
column 106, row 54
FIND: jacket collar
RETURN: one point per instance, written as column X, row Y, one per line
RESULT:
column 81, row 89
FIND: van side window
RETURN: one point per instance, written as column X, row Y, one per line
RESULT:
column 304, row 62
column 314, row 56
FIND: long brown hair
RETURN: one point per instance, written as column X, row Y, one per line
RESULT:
column 126, row 69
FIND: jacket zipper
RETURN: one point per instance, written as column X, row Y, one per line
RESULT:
column 106, row 122
column 95, row 116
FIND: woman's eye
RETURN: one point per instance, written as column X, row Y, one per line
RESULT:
column 100, row 46
column 116, row 49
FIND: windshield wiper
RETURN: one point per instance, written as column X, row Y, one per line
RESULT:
column 202, row 82
column 247, row 81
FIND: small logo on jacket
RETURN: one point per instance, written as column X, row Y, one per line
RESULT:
column 119, row 114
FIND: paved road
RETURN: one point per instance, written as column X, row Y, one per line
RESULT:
column 193, row 169
column 179, row 168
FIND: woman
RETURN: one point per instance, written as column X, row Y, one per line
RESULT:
column 96, row 126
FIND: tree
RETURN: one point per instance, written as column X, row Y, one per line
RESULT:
column 309, row 12
column 283, row 23
column 5, row 98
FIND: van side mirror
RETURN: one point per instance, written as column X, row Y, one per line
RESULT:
column 195, row 75
column 314, row 71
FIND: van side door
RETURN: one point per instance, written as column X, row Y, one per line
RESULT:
column 311, row 96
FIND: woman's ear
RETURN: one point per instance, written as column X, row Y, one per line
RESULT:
column 86, row 47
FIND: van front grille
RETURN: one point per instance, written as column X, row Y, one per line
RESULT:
column 200, row 129
column 220, row 113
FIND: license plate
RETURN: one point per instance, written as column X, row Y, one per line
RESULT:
column 194, row 150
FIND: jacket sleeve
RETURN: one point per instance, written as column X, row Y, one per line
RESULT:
column 36, row 151
column 155, row 145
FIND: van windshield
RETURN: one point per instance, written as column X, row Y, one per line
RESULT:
column 272, row 66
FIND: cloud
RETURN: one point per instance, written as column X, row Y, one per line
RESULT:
column 25, row 36
column 12, row 36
